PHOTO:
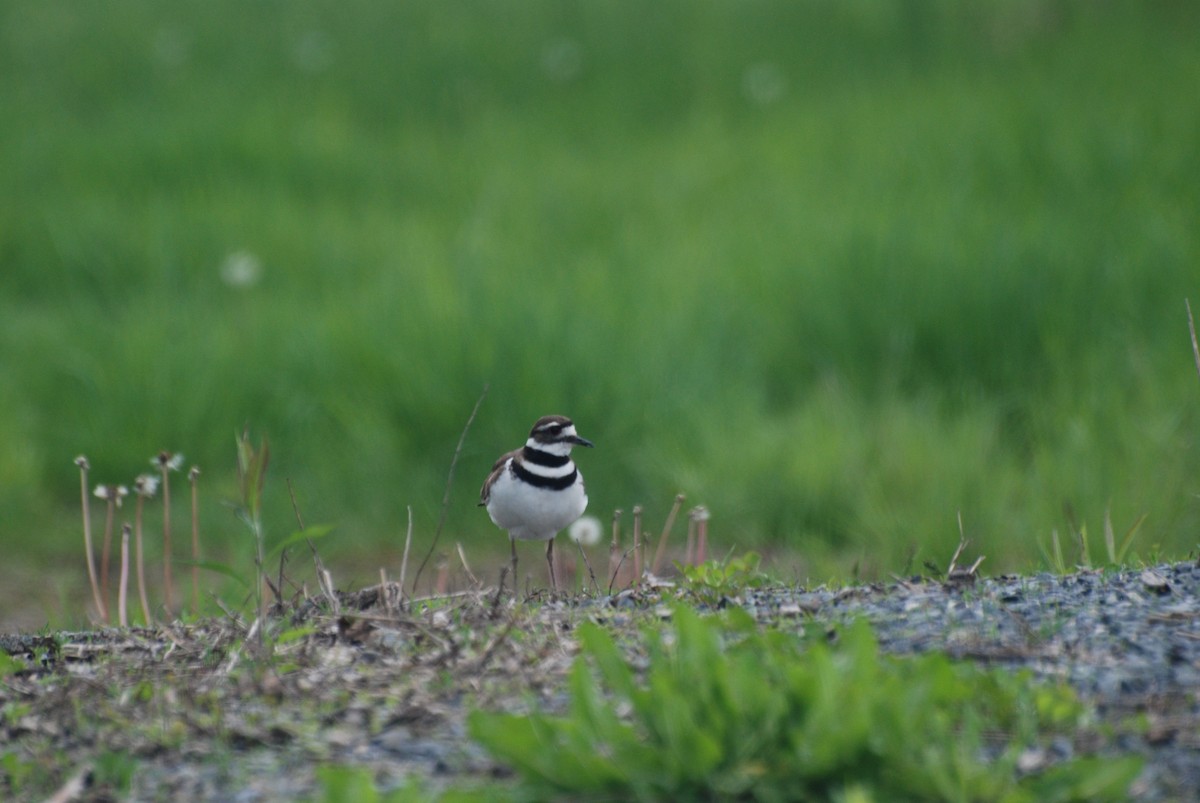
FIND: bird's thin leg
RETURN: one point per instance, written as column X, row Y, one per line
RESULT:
column 516, row 584
column 550, row 563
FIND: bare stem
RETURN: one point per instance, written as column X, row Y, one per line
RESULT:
column 194, row 478
column 123, row 584
column 139, row 560
column 637, row 545
column 1192, row 331
column 407, row 546
column 588, row 564
column 97, row 600
column 168, row 585
column 614, row 549
column 462, row 556
column 689, row 554
column 324, row 578
column 662, row 539
column 701, row 534
column 108, row 528
column 449, row 483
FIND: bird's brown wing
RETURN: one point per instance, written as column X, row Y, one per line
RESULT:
column 485, row 492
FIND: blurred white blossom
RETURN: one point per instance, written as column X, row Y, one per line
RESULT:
column 241, row 269
column 763, row 83
column 586, row 530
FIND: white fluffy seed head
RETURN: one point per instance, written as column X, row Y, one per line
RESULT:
column 586, row 530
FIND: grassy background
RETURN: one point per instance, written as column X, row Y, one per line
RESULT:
column 837, row 271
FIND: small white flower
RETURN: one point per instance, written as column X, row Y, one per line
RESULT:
column 586, row 530
column 82, row 462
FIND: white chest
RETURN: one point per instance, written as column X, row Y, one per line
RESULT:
column 531, row 513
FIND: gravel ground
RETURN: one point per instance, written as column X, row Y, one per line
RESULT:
column 196, row 718
column 1127, row 641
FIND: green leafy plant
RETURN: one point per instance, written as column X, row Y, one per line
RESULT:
column 725, row 712
column 714, row 579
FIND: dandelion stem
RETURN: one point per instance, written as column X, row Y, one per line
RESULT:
column 662, row 539
column 637, row 545
column 97, row 600
column 108, row 529
column 139, row 559
column 194, row 477
column 168, row 586
column 123, row 584
column 701, row 534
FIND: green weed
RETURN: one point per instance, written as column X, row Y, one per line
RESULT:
column 724, row 712
column 113, row 772
column 1115, row 553
column 714, row 579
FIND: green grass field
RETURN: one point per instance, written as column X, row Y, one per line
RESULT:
column 836, row 271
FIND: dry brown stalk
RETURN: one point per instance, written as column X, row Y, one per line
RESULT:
column 588, row 564
column 193, row 478
column 1192, row 331
column 407, row 546
column 141, row 563
column 167, row 462
column 449, row 483
column 690, row 552
column 701, row 514
column 462, row 556
column 614, row 549
column 662, row 539
column 123, row 584
column 97, row 599
column 144, row 487
column 637, row 545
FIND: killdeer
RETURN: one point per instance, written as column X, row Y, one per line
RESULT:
column 535, row 491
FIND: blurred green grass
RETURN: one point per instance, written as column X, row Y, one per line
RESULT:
column 837, row 271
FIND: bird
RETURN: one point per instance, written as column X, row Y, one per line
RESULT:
column 536, row 491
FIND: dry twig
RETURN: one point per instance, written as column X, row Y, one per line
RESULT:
column 97, row 600
column 449, row 483
column 662, row 539
column 1192, row 331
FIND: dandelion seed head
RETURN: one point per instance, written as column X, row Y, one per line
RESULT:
column 145, row 485
column 111, row 493
column 562, row 60
column 241, row 269
column 764, row 83
column 165, row 461
column 586, row 530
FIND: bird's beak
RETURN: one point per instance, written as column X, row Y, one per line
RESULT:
column 578, row 441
